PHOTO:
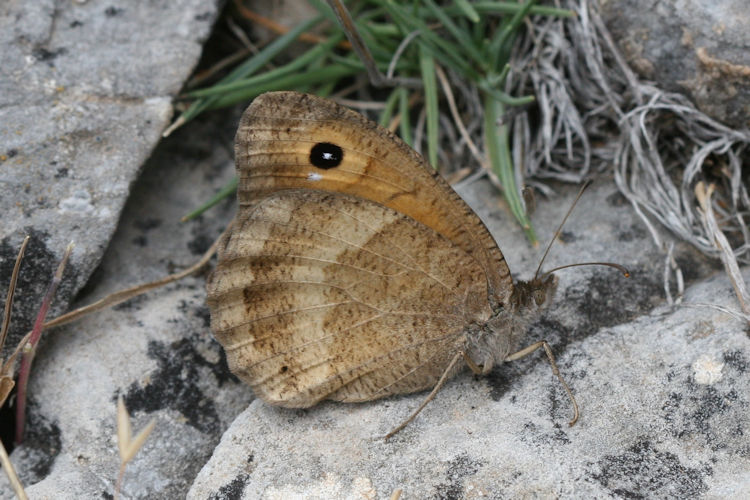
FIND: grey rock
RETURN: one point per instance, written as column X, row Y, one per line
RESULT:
column 85, row 92
column 696, row 47
column 663, row 392
column 155, row 350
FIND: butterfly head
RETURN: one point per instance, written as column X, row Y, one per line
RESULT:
column 491, row 342
column 534, row 294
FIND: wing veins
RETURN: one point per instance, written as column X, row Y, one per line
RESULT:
column 414, row 267
column 402, row 377
column 317, row 340
column 399, row 188
column 369, row 362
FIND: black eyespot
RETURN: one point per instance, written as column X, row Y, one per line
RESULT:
column 284, row 369
column 326, row 155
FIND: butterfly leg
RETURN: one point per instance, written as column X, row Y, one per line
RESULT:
column 533, row 347
column 475, row 368
column 430, row 396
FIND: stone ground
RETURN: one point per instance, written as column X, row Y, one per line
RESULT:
column 663, row 389
column 86, row 90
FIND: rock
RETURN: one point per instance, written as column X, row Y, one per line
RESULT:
column 696, row 47
column 155, row 350
column 85, row 92
column 662, row 389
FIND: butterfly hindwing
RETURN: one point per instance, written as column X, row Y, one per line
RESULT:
column 322, row 295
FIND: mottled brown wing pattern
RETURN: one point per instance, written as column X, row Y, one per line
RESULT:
column 327, row 296
column 272, row 150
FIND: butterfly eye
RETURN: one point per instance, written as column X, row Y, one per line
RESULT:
column 326, row 155
column 540, row 297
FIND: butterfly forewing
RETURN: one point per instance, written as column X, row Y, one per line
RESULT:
column 275, row 149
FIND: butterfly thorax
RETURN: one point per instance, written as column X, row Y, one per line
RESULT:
column 499, row 336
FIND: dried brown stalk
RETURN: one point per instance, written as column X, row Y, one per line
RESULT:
column 30, row 349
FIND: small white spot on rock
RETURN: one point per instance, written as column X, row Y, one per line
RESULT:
column 707, row 370
column 314, row 176
column 363, row 488
column 80, row 202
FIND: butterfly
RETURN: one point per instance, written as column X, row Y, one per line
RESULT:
column 353, row 271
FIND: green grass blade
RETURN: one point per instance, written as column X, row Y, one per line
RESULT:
column 427, row 66
column 219, row 196
column 293, row 81
column 250, row 66
column 325, row 10
column 512, row 8
column 500, row 45
column 447, row 53
column 310, row 57
column 498, row 153
column 405, row 125
column 467, row 9
column 462, row 36
column 501, row 96
column 387, row 113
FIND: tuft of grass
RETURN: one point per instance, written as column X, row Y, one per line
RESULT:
column 406, row 42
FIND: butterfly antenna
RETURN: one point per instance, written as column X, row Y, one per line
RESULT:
column 559, row 228
column 620, row 268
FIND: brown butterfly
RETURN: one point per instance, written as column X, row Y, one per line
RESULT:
column 353, row 271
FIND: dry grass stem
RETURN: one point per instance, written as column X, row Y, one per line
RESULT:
column 445, row 84
column 671, row 267
column 11, row 292
column 365, row 105
column 128, row 446
column 123, row 295
column 29, row 350
column 732, row 268
column 399, row 51
column 594, row 112
column 15, row 483
column 730, row 312
column 6, row 368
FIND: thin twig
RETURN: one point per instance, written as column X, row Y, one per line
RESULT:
column 479, row 157
column 360, row 47
column 123, row 295
column 15, row 483
column 11, row 291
